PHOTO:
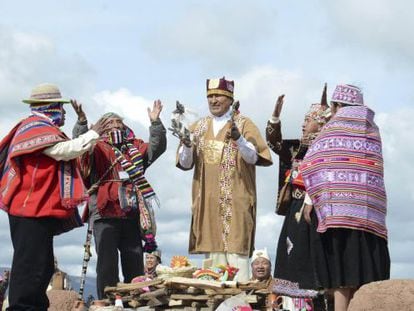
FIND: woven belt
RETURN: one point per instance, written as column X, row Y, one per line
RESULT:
column 298, row 193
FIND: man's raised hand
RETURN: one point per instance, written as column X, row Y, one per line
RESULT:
column 79, row 111
column 278, row 106
column 154, row 114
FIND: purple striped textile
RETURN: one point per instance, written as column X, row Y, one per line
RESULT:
column 343, row 173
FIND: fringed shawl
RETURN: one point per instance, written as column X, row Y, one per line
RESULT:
column 343, row 173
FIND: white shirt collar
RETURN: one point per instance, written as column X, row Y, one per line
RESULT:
column 220, row 122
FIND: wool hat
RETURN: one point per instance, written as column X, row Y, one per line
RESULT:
column 156, row 253
column 320, row 112
column 45, row 93
column 348, row 94
column 260, row 253
column 220, row 86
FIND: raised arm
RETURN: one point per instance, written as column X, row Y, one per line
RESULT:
column 274, row 132
column 157, row 139
column 81, row 125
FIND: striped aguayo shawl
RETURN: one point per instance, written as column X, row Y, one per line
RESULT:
column 343, row 173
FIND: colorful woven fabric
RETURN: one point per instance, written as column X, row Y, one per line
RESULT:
column 54, row 111
column 29, row 136
column 291, row 289
column 294, row 176
column 132, row 162
column 343, row 173
column 130, row 158
column 348, row 94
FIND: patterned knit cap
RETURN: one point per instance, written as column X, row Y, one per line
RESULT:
column 348, row 94
column 320, row 112
column 54, row 111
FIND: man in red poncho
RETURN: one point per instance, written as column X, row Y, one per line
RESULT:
column 40, row 188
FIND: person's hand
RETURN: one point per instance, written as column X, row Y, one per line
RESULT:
column 307, row 213
column 186, row 141
column 278, row 106
column 234, row 132
column 154, row 114
column 79, row 111
column 100, row 126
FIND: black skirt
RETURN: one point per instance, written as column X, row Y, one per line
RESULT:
column 351, row 258
column 298, row 244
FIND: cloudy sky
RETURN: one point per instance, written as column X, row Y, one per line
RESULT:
column 120, row 56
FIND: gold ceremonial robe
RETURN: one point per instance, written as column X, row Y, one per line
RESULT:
column 224, row 189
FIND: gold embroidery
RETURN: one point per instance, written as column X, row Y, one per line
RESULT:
column 227, row 168
column 213, row 150
column 213, row 83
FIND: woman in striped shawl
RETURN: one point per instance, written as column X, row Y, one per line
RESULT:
column 343, row 175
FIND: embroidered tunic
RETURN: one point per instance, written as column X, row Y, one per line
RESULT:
column 224, row 189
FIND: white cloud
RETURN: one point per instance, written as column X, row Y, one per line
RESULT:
column 123, row 102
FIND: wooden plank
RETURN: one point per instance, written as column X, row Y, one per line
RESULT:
column 252, row 286
column 223, row 291
column 158, row 301
column 174, row 303
column 250, row 298
column 193, row 282
column 125, row 287
column 134, row 303
column 189, row 297
column 195, row 291
column 262, row 291
column 155, row 293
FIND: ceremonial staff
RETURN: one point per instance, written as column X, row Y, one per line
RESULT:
column 87, row 246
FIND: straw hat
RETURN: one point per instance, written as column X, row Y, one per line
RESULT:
column 45, row 93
